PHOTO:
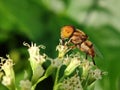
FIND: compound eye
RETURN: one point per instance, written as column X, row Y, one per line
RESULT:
column 66, row 32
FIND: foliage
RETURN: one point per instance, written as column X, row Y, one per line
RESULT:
column 40, row 21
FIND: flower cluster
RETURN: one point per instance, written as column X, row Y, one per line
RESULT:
column 87, row 72
column 77, row 74
column 71, row 83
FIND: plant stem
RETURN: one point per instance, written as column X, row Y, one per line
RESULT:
column 42, row 78
column 56, row 79
column 86, row 82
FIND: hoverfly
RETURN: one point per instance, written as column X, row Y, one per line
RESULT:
column 79, row 39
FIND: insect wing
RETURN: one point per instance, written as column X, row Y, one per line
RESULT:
column 97, row 51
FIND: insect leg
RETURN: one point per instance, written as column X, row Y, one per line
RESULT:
column 86, row 56
column 72, row 47
column 62, row 41
column 93, row 61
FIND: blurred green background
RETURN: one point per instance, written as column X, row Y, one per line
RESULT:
column 40, row 21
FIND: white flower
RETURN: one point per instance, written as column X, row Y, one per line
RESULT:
column 39, row 71
column 34, row 52
column 25, row 85
column 7, row 68
column 62, row 49
column 74, row 62
column 56, row 62
column 35, row 57
column 72, row 83
column 36, row 60
column 97, row 74
column 66, row 60
column 86, row 66
column 6, row 80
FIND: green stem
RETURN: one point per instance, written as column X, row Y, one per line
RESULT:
column 56, row 79
column 41, row 79
column 86, row 82
column 62, row 78
column 33, row 87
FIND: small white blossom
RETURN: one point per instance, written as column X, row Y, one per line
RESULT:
column 66, row 60
column 7, row 66
column 72, row 83
column 35, row 57
column 74, row 62
column 56, row 62
column 8, row 77
column 86, row 66
column 34, row 52
column 25, row 85
column 62, row 49
column 39, row 71
column 6, row 80
column 36, row 60
column 97, row 74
